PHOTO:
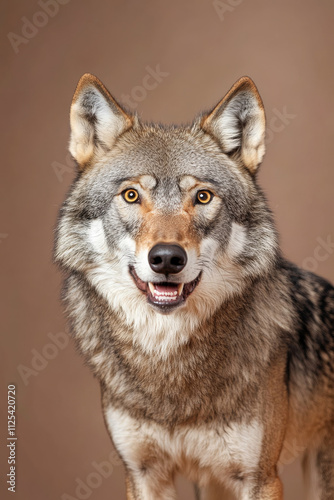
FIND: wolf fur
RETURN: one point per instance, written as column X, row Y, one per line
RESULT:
column 241, row 368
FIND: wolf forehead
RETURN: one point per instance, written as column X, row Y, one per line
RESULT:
column 167, row 152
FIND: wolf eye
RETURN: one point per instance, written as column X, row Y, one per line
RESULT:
column 130, row 195
column 204, row 197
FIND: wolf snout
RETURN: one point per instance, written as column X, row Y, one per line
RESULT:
column 167, row 258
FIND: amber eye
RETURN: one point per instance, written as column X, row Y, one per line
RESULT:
column 204, row 197
column 130, row 195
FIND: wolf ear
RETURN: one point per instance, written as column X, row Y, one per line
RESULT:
column 238, row 123
column 96, row 119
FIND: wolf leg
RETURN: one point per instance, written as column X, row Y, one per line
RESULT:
column 130, row 493
column 268, row 490
column 147, row 486
column 272, row 490
column 318, row 468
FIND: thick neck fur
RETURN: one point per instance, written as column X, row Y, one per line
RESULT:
column 227, row 353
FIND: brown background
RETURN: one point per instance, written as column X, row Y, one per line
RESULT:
column 285, row 46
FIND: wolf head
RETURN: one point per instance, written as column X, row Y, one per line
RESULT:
column 166, row 222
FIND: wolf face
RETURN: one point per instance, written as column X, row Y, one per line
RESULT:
column 166, row 222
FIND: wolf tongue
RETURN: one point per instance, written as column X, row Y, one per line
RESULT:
column 166, row 288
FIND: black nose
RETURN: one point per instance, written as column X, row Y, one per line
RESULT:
column 167, row 258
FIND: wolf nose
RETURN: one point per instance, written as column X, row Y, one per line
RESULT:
column 167, row 258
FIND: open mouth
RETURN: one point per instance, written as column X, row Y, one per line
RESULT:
column 165, row 295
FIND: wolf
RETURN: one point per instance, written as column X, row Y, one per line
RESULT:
column 215, row 354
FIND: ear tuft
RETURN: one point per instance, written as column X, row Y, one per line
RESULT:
column 238, row 123
column 96, row 119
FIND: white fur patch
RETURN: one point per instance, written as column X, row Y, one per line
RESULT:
column 208, row 250
column 97, row 237
column 237, row 240
column 147, row 181
column 188, row 182
column 213, row 447
column 228, row 125
column 222, row 277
